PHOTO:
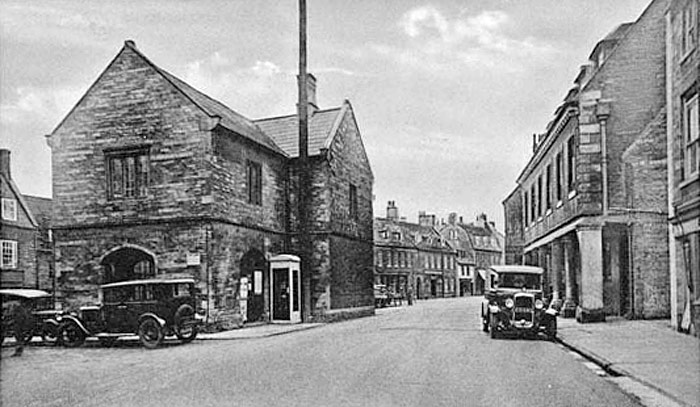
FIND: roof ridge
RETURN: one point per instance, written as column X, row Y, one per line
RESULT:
column 294, row 114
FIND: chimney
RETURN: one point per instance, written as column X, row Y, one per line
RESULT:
column 392, row 212
column 452, row 218
column 5, row 163
column 425, row 219
column 534, row 142
column 481, row 220
column 310, row 93
column 461, row 220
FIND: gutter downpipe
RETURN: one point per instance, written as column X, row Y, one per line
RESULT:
column 673, row 265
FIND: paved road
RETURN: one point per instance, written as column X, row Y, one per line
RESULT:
column 431, row 354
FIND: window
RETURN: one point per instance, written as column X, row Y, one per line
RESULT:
column 9, row 254
column 689, row 29
column 558, row 176
column 691, row 136
column 548, row 187
column 9, row 209
column 379, row 257
column 254, row 183
column 353, row 202
column 127, row 173
column 383, row 234
column 570, row 163
column 453, row 235
column 533, row 204
column 396, row 235
column 526, row 208
column 539, row 195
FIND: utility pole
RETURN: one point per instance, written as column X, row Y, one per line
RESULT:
column 303, row 192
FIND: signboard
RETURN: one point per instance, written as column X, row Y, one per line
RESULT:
column 193, row 259
column 258, row 283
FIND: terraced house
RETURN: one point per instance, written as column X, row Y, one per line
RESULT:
column 152, row 178
column 593, row 195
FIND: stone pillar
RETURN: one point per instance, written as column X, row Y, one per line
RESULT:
column 590, row 240
column 569, row 306
column 557, row 268
column 542, row 262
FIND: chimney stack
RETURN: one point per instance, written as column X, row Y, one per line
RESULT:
column 392, row 212
column 452, row 218
column 425, row 219
column 312, row 106
column 5, row 163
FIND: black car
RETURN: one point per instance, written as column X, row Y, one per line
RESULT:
column 36, row 308
column 517, row 305
column 151, row 309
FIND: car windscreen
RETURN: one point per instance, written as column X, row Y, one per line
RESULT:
column 526, row 281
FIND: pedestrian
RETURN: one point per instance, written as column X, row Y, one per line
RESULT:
column 410, row 296
column 21, row 321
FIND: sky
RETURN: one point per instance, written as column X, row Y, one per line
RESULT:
column 447, row 93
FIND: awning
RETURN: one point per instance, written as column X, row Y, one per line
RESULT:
column 482, row 274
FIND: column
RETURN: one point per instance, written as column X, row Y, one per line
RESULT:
column 569, row 306
column 590, row 239
column 557, row 268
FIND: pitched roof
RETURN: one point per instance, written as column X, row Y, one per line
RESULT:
column 284, row 130
column 20, row 198
column 40, row 207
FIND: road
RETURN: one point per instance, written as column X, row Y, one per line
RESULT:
column 430, row 354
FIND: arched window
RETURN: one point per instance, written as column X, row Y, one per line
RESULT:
column 127, row 263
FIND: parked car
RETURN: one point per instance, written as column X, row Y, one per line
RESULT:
column 516, row 304
column 152, row 309
column 37, row 306
column 382, row 296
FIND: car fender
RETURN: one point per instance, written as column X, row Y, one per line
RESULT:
column 551, row 312
column 158, row 319
column 76, row 321
column 51, row 322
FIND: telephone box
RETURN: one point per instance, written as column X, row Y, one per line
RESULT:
column 285, row 284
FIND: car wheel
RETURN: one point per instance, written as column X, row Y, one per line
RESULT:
column 485, row 324
column 49, row 333
column 24, row 336
column 70, row 335
column 185, row 332
column 493, row 327
column 150, row 333
column 552, row 328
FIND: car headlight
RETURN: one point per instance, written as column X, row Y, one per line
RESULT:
column 539, row 304
column 509, row 303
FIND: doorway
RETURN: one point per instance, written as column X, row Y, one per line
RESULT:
column 280, row 296
column 253, row 266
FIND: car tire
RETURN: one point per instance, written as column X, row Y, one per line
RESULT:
column 184, row 313
column 552, row 328
column 49, row 333
column 150, row 333
column 70, row 335
column 493, row 327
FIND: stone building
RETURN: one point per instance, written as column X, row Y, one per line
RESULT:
column 594, row 191
column 152, row 178
column 413, row 256
column 25, row 241
column 479, row 245
column 683, row 142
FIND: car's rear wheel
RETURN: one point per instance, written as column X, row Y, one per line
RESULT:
column 150, row 333
column 49, row 333
column 70, row 335
column 551, row 330
column 186, row 332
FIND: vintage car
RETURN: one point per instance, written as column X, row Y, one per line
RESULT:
column 151, row 309
column 516, row 304
column 36, row 306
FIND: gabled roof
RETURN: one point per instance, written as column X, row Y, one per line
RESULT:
column 228, row 119
column 20, row 198
column 284, row 130
column 40, row 208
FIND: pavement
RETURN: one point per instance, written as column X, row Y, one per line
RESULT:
column 256, row 331
column 648, row 351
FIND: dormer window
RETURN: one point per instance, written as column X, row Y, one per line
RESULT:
column 396, row 236
column 383, row 234
column 9, row 209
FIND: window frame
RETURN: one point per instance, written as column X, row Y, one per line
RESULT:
column 691, row 142
column 14, row 254
column 254, row 182
column 141, row 173
column 352, row 204
column 9, row 202
column 688, row 29
column 571, row 164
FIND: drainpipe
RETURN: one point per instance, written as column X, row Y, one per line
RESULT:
column 602, row 114
column 673, row 265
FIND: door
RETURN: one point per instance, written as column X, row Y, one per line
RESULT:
column 280, row 294
column 252, row 265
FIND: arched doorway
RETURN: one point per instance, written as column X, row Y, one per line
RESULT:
column 253, row 267
column 127, row 263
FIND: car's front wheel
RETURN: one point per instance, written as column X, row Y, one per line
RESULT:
column 493, row 327
column 551, row 330
column 49, row 333
column 70, row 335
column 150, row 333
column 184, row 329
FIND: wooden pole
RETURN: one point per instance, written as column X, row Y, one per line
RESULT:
column 303, row 191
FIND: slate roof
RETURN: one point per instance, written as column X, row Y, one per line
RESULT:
column 284, row 130
column 40, row 208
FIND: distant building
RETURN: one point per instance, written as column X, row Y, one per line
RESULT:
column 153, row 178
column 479, row 245
column 594, row 192
column 25, row 237
column 683, row 141
column 413, row 256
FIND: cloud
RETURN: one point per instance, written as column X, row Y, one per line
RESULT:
column 435, row 42
column 44, row 105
